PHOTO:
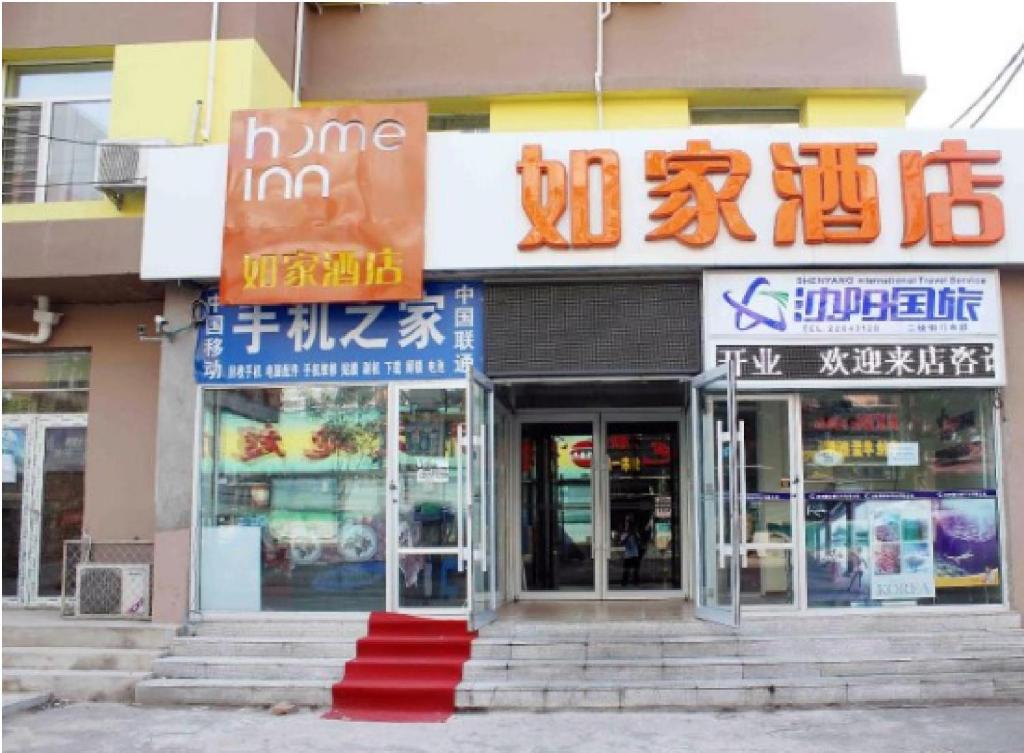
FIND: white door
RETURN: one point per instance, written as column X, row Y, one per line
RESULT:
column 717, row 496
column 441, row 455
column 478, row 543
column 43, row 501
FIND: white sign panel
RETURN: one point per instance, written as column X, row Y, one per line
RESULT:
column 903, row 453
column 841, row 328
column 686, row 198
column 183, row 227
column 901, row 557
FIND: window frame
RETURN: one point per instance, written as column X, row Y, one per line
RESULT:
column 46, row 116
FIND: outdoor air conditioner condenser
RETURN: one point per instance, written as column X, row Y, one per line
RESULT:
column 113, row 591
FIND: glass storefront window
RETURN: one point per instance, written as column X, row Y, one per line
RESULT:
column 900, row 497
column 50, row 382
column 293, row 487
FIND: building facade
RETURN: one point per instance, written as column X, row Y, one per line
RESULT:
column 692, row 325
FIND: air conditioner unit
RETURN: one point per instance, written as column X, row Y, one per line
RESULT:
column 121, row 166
column 113, row 591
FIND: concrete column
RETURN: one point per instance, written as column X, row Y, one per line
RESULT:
column 175, row 462
column 1011, row 492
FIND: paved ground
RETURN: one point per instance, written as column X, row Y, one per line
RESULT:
column 103, row 728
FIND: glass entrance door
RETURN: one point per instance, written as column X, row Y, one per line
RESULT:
column 43, row 497
column 600, row 506
column 557, row 511
column 768, row 495
column 717, row 496
column 443, row 499
column 480, row 543
column 641, row 495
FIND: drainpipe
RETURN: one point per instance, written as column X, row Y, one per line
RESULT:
column 211, row 71
column 604, row 12
column 43, row 317
column 300, row 27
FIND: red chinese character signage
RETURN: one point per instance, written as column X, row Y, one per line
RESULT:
column 325, row 205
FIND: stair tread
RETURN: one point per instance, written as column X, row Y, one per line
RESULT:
column 700, row 661
column 24, row 671
column 720, row 683
column 233, row 682
column 49, row 650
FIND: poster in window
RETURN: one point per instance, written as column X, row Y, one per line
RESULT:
column 900, row 559
column 966, row 542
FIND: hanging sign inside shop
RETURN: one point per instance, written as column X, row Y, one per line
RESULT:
column 846, row 327
column 325, row 205
column 439, row 336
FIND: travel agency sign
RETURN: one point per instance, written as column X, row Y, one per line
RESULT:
column 856, row 327
column 325, row 205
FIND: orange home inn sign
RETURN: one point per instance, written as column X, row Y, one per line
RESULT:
column 325, row 205
column 674, row 198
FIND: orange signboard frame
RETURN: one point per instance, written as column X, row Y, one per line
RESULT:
column 325, row 204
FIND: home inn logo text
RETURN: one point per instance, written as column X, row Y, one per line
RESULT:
column 325, row 205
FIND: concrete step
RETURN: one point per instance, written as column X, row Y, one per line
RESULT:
column 810, row 626
column 222, row 692
column 248, row 668
column 94, row 634
column 74, row 685
column 729, row 668
column 731, row 694
column 866, row 646
column 920, row 621
column 343, row 648
column 328, row 628
column 15, row 703
column 79, row 658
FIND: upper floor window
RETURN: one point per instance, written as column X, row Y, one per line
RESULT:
column 462, row 122
column 771, row 116
column 69, row 103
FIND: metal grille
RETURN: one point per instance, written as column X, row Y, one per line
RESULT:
column 113, row 590
column 101, row 591
column 593, row 328
column 118, row 164
column 21, row 153
column 87, row 551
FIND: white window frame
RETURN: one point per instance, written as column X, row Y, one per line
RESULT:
column 46, row 115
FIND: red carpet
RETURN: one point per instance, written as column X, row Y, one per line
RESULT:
column 406, row 670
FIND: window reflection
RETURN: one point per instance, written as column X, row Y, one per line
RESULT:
column 901, row 498
column 294, row 479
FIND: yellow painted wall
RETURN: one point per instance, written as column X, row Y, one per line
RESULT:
column 853, row 111
column 155, row 87
column 61, row 210
column 573, row 113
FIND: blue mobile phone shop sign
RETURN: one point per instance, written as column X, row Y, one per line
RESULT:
column 438, row 337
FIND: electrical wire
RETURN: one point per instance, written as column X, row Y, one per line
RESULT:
column 30, row 184
column 82, row 142
column 999, row 94
column 1009, row 64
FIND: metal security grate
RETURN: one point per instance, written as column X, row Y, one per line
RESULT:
column 118, row 164
column 593, row 328
column 100, row 591
column 21, row 153
column 87, row 551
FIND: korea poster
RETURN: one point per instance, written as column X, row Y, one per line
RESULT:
column 901, row 556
